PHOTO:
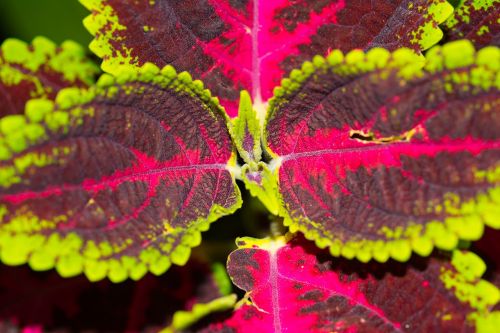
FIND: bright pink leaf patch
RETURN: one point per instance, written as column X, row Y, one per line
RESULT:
column 373, row 149
column 235, row 45
column 295, row 287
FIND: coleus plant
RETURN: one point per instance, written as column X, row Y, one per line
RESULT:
column 375, row 151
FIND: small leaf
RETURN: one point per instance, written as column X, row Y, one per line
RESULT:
column 294, row 287
column 250, row 45
column 379, row 155
column 247, row 131
column 116, row 180
column 40, row 70
column 475, row 20
column 261, row 182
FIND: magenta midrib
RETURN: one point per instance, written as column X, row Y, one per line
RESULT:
column 273, row 279
column 112, row 182
column 256, row 86
column 407, row 145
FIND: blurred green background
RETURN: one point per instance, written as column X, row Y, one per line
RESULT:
column 57, row 19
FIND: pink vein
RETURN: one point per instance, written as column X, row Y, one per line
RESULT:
column 146, row 175
column 273, row 277
column 255, row 54
column 406, row 146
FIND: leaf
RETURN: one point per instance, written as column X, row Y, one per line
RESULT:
column 377, row 155
column 235, row 45
column 295, row 288
column 475, row 20
column 46, row 302
column 116, row 180
column 40, row 70
column 247, row 131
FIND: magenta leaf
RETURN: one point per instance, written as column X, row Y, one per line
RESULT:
column 294, row 287
column 236, row 45
column 116, row 180
column 46, row 302
column 40, row 69
column 377, row 155
column 475, row 20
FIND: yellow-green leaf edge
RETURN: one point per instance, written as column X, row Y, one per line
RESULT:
column 184, row 319
column 103, row 15
column 466, row 283
column 429, row 33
